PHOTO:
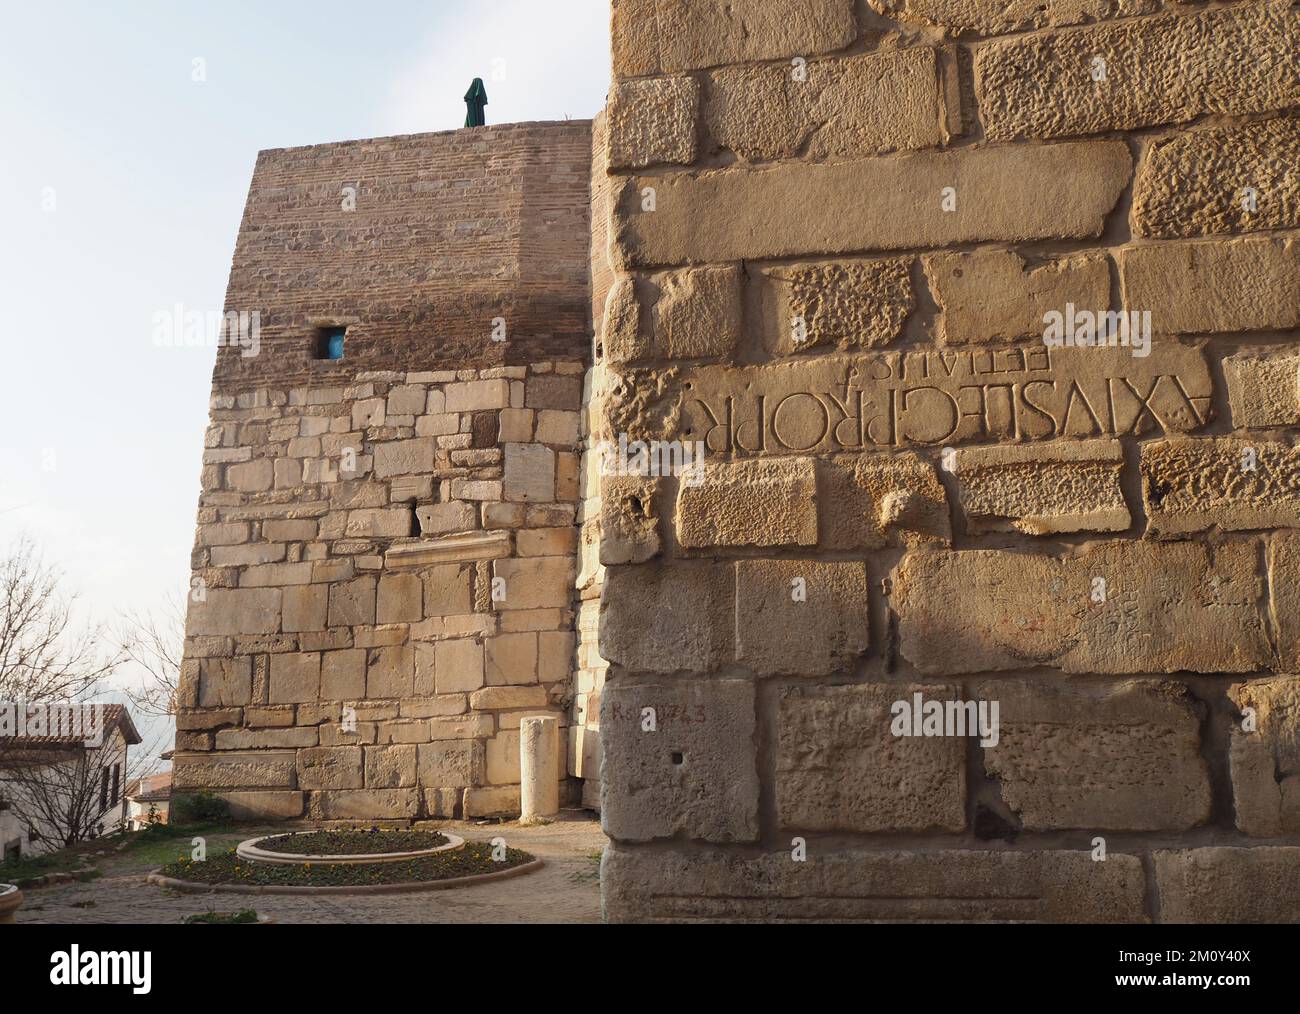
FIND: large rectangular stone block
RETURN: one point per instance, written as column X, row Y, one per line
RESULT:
column 801, row 616
column 897, row 202
column 662, row 36
column 1284, row 595
column 880, row 400
column 1040, row 489
column 1121, row 607
column 1215, row 286
column 946, row 885
column 996, row 17
column 365, row 804
column 653, row 121
column 1229, row 885
column 1225, row 483
column 235, row 611
column 1263, row 391
column 1165, row 69
column 679, row 760
column 1175, row 194
column 1098, row 757
column 664, row 618
column 995, row 295
column 750, row 503
column 839, row 767
column 877, row 500
column 861, row 105
column 263, row 805
column 330, row 767
column 243, row 770
column 1265, row 757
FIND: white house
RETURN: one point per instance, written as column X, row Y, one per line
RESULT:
column 150, row 793
column 61, row 784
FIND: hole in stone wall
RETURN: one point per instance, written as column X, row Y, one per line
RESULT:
column 679, row 759
column 329, row 342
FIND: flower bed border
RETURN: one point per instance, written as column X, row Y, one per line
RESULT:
column 248, row 850
column 194, row 887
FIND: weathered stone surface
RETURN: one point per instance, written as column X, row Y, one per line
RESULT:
column 390, row 671
column 881, row 400
column 1165, row 69
column 305, row 608
column 1224, row 483
column 1041, row 489
column 996, row 295
column 400, row 599
column 750, row 503
column 1098, row 757
column 1243, row 285
column 1008, row 194
column 662, row 36
column 225, row 682
column 365, row 804
column 685, row 617
column 491, row 801
column 330, row 767
column 862, row 105
column 235, row 611
column 694, row 775
column 1284, row 589
column 342, row 675
column 240, row 770
column 994, row 17
column 846, row 304
column 295, row 678
column 1262, row 391
column 453, row 763
column 652, row 121
column 1164, row 609
column 1265, row 759
column 629, row 520
column 402, row 457
column 444, row 518
column 698, row 313
column 839, row 767
column 390, row 767
column 946, row 885
column 263, row 805
column 535, row 582
column 1176, row 193
column 1229, row 885
column 352, row 602
column 801, row 616
column 873, row 501
column 529, row 473
column 266, row 739
column 624, row 338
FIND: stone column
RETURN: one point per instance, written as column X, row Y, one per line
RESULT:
column 539, row 764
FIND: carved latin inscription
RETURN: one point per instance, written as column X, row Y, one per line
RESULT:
column 898, row 399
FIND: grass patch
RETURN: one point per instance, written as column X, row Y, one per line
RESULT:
column 353, row 842
column 29, row 869
column 241, row 918
column 162, row 843
column 474, row 859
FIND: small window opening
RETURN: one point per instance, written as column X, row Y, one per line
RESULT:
column 329, row 342
column 679, row 759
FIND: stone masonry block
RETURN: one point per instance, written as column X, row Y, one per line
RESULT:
column 801, row 616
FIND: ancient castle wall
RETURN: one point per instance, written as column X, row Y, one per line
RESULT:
column 840, row 231
column 385, row 560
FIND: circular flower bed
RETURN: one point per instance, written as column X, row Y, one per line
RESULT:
column 372, row 841
column 230, row 872
column 373, row 846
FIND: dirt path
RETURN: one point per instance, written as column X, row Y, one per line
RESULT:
column 566, row 889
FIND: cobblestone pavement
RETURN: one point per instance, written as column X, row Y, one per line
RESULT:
column 566, row 889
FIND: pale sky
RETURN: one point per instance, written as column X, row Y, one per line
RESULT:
column 124, row 181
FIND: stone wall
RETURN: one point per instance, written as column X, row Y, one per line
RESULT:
column 386, row 552
column 839, row 231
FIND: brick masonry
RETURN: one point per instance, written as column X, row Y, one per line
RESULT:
column 832, row 240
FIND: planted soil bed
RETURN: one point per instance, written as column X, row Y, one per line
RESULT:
column 230, row 872
column 352, row 843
